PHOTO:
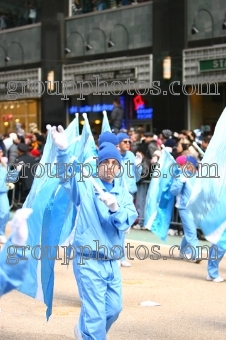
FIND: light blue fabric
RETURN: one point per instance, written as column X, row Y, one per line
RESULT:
column 190, row 234
column 100, row 290
column 207, row 202
column 4, row 212
column 11, row 275
column 10, row 176
column 162, row 221
column 123, row 257
column 52, row 220
column 183, row 192
column 130, row 173
column 215, row 256
column 159, row 201
column 86, row 152
column 105, row 123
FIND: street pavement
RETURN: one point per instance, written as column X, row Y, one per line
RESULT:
column 190, row 307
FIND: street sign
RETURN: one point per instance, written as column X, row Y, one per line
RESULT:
column 212, row 65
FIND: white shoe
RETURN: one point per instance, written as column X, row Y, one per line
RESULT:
column 181, row 256
column 3, row 239
column 125, row 264
column 78, row 335
column 188, row 257
column 217, row 279
column 172, row 232
column 137, row 226
column 197, row 260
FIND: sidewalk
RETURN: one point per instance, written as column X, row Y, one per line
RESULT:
column 191, row 308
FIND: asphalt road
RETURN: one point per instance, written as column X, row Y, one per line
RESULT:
column 190, row 307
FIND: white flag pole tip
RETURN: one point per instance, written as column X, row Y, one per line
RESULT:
column 84, row 115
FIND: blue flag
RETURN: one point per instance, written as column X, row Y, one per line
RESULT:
column 208, row 199
column 105, row 123
column 51, row 222
column 159, row 202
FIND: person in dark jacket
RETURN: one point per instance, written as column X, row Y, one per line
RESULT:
column 13, row 151
column 151, row 143
column 142, row 186
column 116, row 116
column 27, row 181
column 2, row 146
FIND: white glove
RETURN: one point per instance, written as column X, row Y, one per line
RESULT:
column 59, row 137
column 183, row 179
column 127, row 230
column 110, row 201
column 10, row 186
column 169, row 149
column 19, row 166
column 154, row 159
column 138, row 158
column 19, row 226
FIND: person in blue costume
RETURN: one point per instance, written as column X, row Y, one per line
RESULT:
column 131, row 173
column 216, row 254
column 182, row 185
column 108, row 137
column 13, row 266
column 6, row 176
column 102, row 221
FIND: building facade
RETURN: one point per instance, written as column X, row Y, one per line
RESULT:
column 143, row 52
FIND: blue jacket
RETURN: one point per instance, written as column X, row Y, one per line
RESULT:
column 131, row 173
column 96, row 225
column 3, row 176
column 11, row 275
column 6, row 177
column 182, row 189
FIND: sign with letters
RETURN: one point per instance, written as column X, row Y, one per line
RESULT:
column 217, row 64
column 107, row 75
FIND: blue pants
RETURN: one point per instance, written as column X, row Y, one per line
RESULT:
column 123, row 258
column 213, row 265
column 100, row 290
column 4, row 212
column 190, row 234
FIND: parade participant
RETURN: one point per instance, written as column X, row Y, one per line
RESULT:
column 183, row 182
column 101, row 223
column 215, row 256
column 12, row 271
column 4, row 201
column 142, row 186
column 108, row 137
column 131, row 174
